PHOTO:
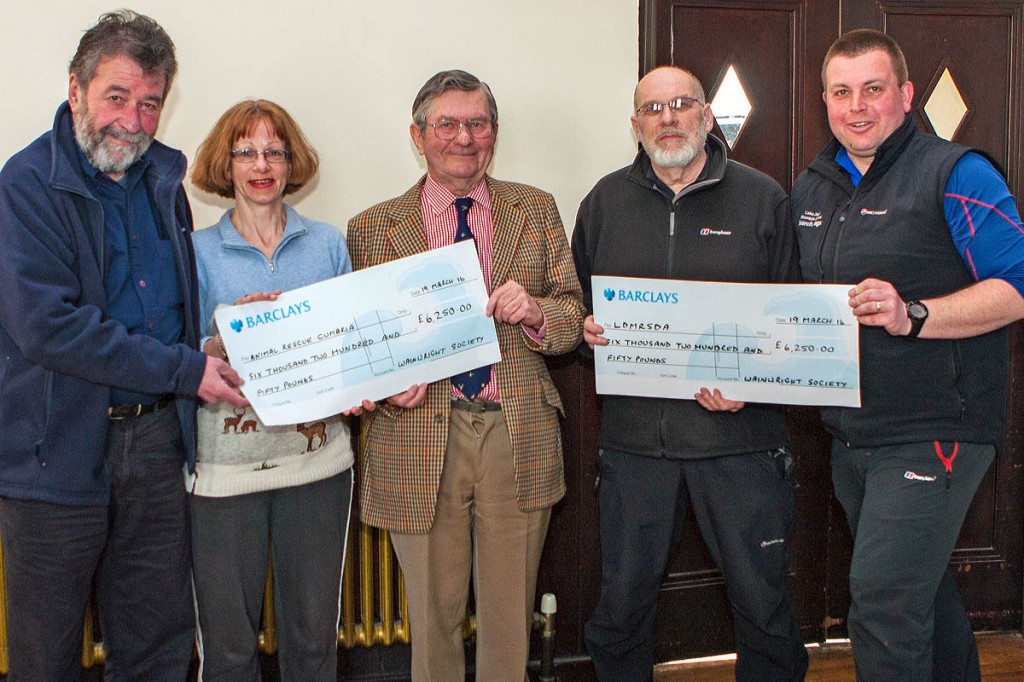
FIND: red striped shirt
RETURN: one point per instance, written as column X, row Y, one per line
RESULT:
column 441, row 221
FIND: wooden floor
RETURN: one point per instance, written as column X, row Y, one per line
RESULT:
column 1002, row 660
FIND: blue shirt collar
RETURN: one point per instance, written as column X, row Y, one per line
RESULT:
column 846, row 163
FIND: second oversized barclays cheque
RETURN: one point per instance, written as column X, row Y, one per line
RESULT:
column 794, row 344
column 323, row 348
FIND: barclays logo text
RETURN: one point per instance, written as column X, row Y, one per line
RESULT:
column 642, row 296
column 271, row 316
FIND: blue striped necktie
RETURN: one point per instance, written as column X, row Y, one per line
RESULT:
column 473, row 381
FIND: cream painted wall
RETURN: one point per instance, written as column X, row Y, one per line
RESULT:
column 562, row 72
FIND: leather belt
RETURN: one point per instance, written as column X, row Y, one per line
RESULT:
column 476, row 405
column 129, row 410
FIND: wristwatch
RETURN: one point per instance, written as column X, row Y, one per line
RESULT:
column 918, row 313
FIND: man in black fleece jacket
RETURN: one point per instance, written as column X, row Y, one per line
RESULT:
column 728, row 459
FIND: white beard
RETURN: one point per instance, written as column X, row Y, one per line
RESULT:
column 680, row 157
column 104, row 156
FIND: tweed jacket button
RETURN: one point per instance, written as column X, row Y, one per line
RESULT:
column 438, row 418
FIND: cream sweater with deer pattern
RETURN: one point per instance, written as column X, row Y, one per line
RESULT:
column 238, row 453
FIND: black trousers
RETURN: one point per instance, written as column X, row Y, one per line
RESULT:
column 905, row 510
column 744, row 507
column 139, row 550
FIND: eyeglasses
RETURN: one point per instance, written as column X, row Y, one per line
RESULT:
column 449, row 129
column 679, row 104
column 270, row 155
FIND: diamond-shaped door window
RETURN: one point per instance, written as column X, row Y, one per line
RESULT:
column 945, row 108
column 731, row 106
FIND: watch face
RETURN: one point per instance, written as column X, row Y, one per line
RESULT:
column 917, row 310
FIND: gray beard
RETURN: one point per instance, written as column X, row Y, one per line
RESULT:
column 676, row 158
column 101, row 154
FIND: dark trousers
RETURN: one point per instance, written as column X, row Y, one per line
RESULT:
column 906, row 620
column 744, row 507
column 307, row 527
column 137, row 547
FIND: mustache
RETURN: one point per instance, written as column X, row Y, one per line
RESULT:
column 672, row 131
column 131, row 138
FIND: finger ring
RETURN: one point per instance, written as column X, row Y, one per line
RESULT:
column 878, row 306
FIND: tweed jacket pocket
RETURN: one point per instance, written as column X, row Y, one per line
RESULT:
column 551, row 395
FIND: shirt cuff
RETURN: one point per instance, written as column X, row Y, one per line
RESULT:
column 537, row 335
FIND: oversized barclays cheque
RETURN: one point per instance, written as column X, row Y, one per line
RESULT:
column 323, row 348
column 795, row 344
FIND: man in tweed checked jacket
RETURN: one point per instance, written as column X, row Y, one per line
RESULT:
column 464, row 471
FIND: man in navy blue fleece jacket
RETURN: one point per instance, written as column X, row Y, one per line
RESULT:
column 99, row 371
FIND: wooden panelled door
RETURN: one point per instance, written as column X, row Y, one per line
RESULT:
column 965, row 62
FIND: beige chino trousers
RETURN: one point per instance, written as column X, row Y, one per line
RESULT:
column 478, row 530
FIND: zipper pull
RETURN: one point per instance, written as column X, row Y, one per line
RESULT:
column 947, row 462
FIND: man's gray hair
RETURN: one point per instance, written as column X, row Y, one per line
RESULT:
column 443, row 82
column 127, row 33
